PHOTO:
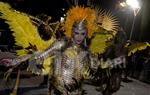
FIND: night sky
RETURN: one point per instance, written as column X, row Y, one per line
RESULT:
column 53, row 7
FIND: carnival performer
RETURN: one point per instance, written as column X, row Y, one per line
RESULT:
column 72, row 57
column 72, row 61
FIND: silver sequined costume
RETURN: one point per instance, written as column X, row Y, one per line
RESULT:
column 71, row 65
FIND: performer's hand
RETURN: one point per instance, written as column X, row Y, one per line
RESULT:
column 71, row 87
column 6, row 62
column 38, row 57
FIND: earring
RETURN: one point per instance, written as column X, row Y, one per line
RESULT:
column 85, row 43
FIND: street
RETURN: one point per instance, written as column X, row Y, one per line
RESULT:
column 29, row 85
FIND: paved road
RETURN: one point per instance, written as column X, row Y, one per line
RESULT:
column 29, row 85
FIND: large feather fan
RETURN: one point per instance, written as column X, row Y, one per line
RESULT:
column 25, row 33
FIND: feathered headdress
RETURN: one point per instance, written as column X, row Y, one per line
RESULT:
column 97, row 21
column 93, row 16
column 79, row 14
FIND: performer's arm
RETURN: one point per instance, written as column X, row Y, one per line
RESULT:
column 57, row 45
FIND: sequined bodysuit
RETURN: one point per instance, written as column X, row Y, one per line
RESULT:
column 71, row 66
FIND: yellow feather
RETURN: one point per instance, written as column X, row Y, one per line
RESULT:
column 24, row 31
column 107, row 27
column 137, row 46
column 78, row 13
column 98, row 44
column 100, row 41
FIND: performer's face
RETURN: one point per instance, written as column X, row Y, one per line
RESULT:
column 79, row 35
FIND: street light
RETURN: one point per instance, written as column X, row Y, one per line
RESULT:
column 123, row 4
column 134, row 4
